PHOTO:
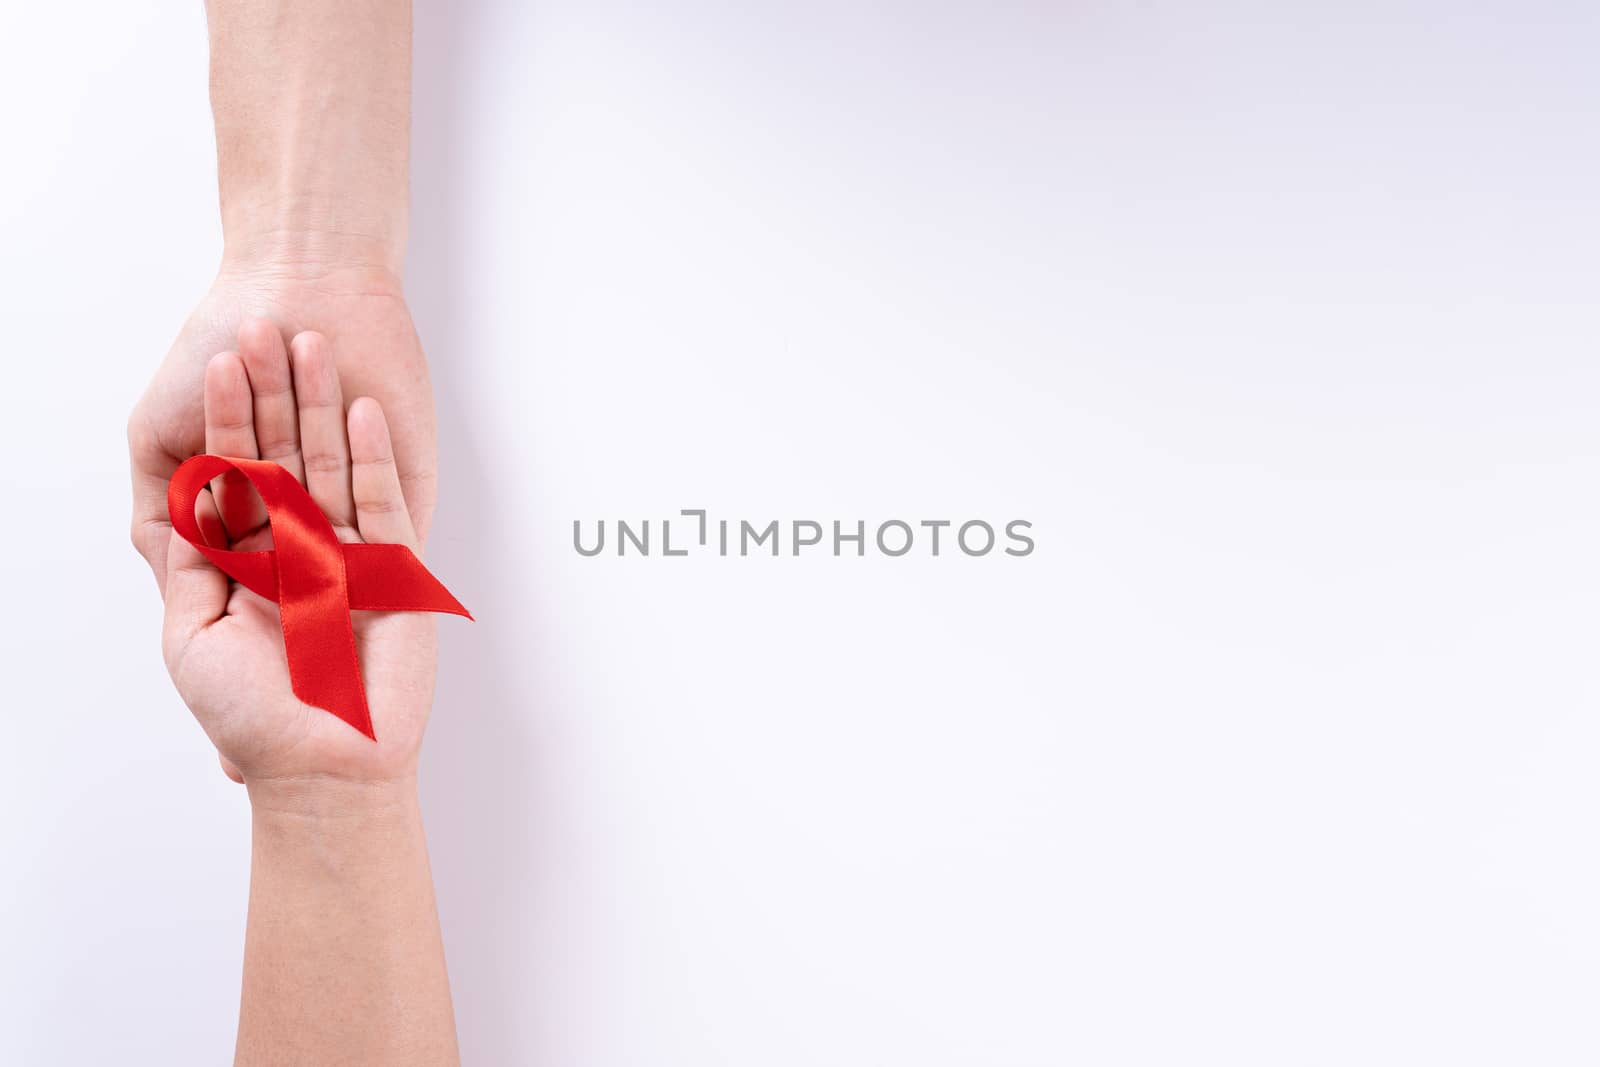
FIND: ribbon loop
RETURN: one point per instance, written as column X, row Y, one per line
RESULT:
column 315, row 580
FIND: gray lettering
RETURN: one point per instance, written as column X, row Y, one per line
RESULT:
column 577, row 542
column 1011, row 532
column 701, row 513
column 884, row 548
column 961, row 537
column 859, row 537
column 625, row 534
column 745, row 530
column 666, row 540
column 798, row 543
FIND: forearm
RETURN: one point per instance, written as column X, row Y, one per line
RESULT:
column 343, row 957
column 312, row 103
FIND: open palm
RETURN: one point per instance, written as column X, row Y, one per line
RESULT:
column 224, row 644
column 364, row 316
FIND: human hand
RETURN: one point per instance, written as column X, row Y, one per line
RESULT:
column 223, row 644
column 362, row 312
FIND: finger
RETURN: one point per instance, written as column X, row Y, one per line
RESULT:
column 277, row 422
column 324, row 448
column 231, row 431
column 381, row 514
column 206, row 516
column 151, row 466
column 197, row 593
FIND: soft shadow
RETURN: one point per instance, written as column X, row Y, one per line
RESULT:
column 482, row 782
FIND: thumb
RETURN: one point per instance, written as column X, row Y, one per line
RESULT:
column 197, row 592
column 150, row 463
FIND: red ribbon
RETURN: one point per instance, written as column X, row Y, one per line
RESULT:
column 315, row 580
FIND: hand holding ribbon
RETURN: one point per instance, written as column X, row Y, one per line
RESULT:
column 328, row 606
column 315, row 580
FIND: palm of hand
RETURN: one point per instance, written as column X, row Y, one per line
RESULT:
column 224, row 644
column 363, row 316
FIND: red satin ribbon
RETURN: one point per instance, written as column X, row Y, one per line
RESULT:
column 316, row 580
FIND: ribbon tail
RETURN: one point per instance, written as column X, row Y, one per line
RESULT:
column 391, row 578
column 313, row 599
column 324, row 670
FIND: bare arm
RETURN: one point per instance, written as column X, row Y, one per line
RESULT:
column 343, row 957
column 343, row 962
column 312, row 104
column 312, row 109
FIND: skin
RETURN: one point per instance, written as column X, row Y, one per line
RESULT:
column 311, row 102
column 312, row 105
column 343, row 957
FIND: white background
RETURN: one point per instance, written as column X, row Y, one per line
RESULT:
column 1277, row 320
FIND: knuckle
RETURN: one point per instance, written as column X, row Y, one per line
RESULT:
column 323, row 463
column 143, row 532
column 379, row 505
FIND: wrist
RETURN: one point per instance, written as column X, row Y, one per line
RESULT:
column 283, row 254
column 310, row 833
column 312, row 108
column 304, row 800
